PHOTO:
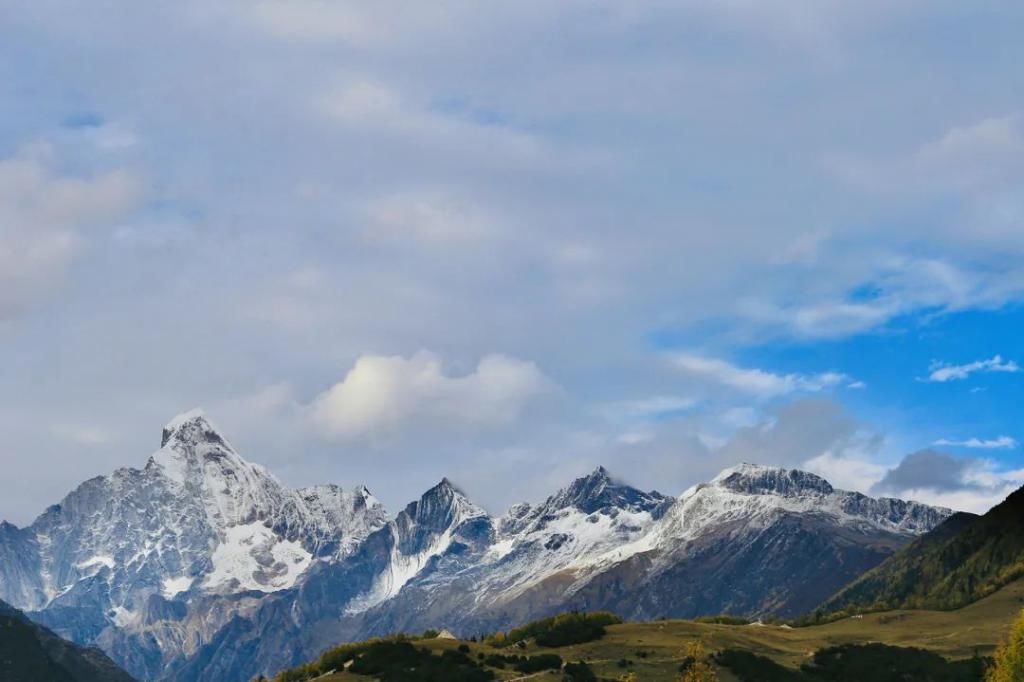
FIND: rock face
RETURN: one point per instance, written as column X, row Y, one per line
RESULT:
column 202, row 566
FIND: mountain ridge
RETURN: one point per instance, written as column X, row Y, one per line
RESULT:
column 176, row 568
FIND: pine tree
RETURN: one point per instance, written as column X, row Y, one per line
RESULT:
column 1009, row 659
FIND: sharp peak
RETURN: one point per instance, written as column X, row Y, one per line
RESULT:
column 195, row 414
column 187, row 425
column 599, row 474
column 445, row 495
column 445, row 485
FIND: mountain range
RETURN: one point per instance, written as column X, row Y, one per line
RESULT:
column 202, row 566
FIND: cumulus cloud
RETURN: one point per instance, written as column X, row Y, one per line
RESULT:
column 1000, row 443
column 942, row 372
column 757, row 382
column 926, row 469
column 847, row 471
column 962, row 483
column 382, row 394
column 40, row 217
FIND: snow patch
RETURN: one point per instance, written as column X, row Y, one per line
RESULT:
column 172, row 587
column 183, row 418
column 96, row 561
column 251, row 557
column 172, row 464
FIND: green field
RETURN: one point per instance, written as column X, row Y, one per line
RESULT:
column 655, row 649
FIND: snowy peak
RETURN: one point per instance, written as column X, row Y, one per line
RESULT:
column 443, row 506
column 756, row 479
column 190, row 429
column 598, row 491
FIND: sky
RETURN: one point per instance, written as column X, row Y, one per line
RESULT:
column 382, row 243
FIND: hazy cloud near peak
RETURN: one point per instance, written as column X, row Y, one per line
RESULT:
column 961, row 483
column 926, row 469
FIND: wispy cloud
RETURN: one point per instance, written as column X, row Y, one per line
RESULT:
column 1000, row 443
column 650, row 408
column 756, row 381
column 942, row 372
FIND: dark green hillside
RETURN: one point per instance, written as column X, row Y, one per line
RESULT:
column 964, row 559
column 31, row 652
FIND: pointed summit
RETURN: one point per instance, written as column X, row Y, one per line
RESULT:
column 443, row 506
column 598, row 491
column 191, row 428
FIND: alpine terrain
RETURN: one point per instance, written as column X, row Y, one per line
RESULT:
column 202, row 566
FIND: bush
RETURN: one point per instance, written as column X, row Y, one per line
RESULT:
column 391, row 660
column 579, row 672
column 854, row 663
column 564, row 629
column 534, row 664
column 525, row 664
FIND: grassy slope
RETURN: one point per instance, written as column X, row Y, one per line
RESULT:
column 953, row 634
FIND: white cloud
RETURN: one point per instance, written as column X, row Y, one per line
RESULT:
column 649, row 408
column 977, row 155
column 976, row 501
column 942, row 372
column 962, row 483
column 373, row 106
column 756, row 382
column 381, row 395
column 1000, row 443
column 899, row 286
column 847, row 472
column 427, row 216
column 40, row 217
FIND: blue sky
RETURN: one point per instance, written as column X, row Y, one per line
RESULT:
column 382, row 243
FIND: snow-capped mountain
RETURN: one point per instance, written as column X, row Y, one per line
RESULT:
column 202, row 566
column 196, row 520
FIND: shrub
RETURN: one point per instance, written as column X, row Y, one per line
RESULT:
column 579, row 672
column 391, row 660
column 565, row 629
column 534, row 664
